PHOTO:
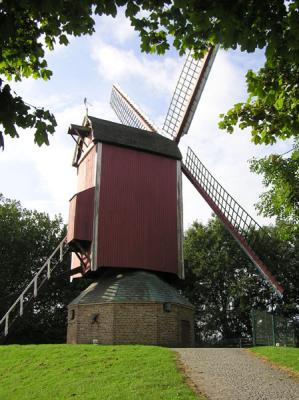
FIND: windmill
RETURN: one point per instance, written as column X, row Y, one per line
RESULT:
column 140, row 186
column 125, row 227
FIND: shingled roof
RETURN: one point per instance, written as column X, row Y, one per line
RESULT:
column 130, row 286
column 122, row 135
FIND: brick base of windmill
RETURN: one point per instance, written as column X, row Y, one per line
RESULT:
column 131, row 307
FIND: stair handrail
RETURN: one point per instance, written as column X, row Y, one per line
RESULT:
column 34, row 283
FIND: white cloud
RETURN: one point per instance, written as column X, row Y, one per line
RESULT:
column 117, row 64
column 48, row 173
column 117, row 29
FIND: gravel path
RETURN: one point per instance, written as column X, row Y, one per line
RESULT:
column 233, row 374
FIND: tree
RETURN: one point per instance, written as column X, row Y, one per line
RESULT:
column 27, row 238
column 221, row 282
column 271, row 110
column 281, row 177
column 28, row 27
column 224, row 285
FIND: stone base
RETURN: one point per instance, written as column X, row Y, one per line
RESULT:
column 121, row 323
column 97, row 317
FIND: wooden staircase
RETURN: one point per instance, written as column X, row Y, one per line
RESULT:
column 31, row 290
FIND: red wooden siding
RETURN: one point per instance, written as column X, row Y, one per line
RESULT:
column 80, row 226
column 71, row 223
column 137, row 210
column 81, row 216
column 86, row 170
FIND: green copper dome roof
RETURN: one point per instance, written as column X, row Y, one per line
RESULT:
column 135, row 286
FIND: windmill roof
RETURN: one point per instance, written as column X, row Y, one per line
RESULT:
column 132, row 286
column 127, row 136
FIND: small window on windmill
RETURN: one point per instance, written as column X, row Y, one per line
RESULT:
column 95, row 318
column 72, row 314
column 167, row 307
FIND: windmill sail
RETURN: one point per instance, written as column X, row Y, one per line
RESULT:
column 187, row 94
column 233, row 216
column 128, row 112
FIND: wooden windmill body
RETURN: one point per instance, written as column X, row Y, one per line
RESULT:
column 125, row 226
column 127, row 212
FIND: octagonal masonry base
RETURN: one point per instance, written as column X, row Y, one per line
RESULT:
column 102, row 313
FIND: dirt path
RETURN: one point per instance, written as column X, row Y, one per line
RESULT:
column 234, row 374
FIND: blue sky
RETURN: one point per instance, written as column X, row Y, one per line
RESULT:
column 43, row 179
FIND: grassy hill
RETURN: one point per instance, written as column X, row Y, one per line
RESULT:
column 90, row 372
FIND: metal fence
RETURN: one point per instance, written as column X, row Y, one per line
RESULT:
column 270, row 329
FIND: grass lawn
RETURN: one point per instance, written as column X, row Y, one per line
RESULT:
column 286, row 357
column 55, row 372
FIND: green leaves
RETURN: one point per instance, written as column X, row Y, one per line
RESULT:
column 63, row 40
column 220, row 281
column 281, row 200
column 132, row 9
column 15, row 113
column 272, row 108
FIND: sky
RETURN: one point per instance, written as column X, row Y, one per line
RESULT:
column 42, row 178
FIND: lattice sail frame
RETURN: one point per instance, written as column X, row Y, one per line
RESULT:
column 187, row 94
column 128, row 112
column 236, row 220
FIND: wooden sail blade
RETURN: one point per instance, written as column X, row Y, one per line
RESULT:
column 187, row 94
column 128, row 112
column 237, row 221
